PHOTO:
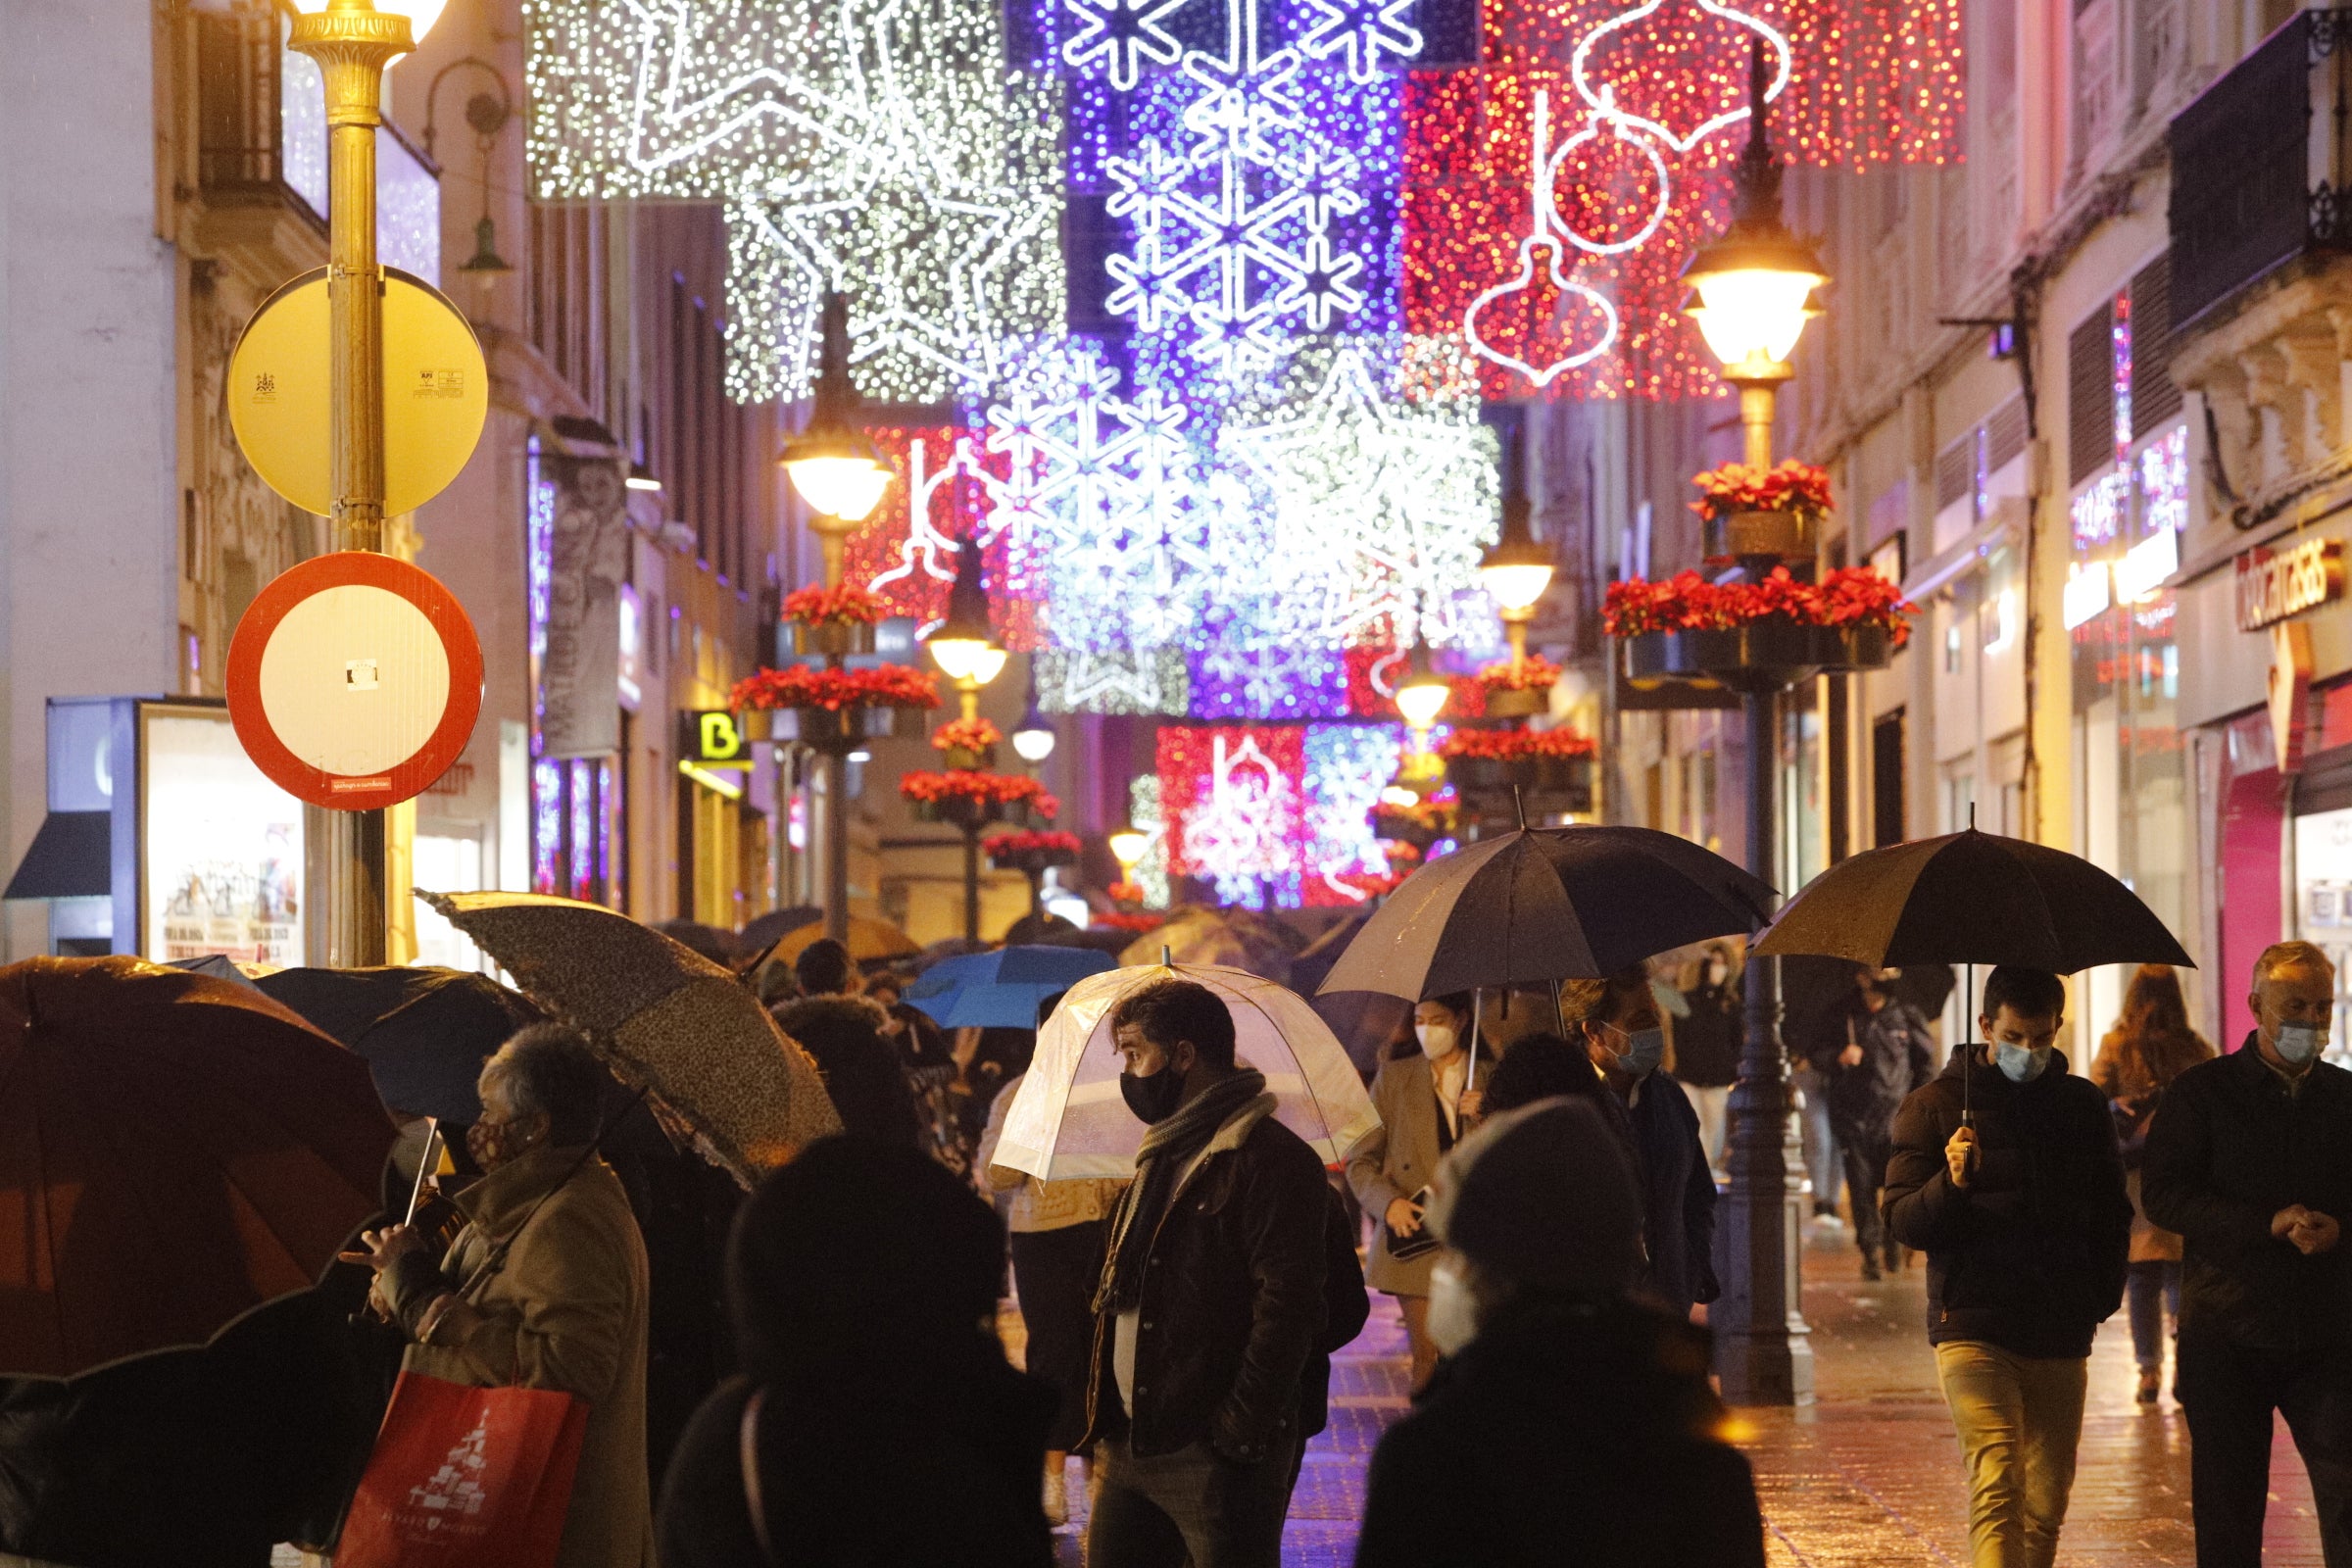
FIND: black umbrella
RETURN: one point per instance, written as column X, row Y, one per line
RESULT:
column 1545, row 905
column 1971, row 898
column 425, row 1031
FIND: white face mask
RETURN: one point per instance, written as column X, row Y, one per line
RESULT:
column 1438, row 1040
column 1452, row 1309
column 2298, row 1043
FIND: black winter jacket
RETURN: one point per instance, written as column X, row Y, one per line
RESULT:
column 2231, row 1147
column 1233, row 1301
column 1564, row 1435
column 1897, row 1058
column 1678, row 1194
column 2031, row 1254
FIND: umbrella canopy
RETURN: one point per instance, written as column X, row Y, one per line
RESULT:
column 175, row 1150
column 1000, row 990
column 869, row 939
column 1237, row 939
column 765, row 931
column 1971, row 898
column 1543, row 905
column 425, row 1031
column 1068, row 1118
column 668, row 1020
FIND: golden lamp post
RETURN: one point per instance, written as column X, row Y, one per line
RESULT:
column 353, row 41
column 1754, row 288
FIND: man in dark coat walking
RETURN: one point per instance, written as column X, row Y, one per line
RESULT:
column 1624, row 1039
column 2006, row 1173
column 1571, row 1421
column 1211, row 1303
column 1888, row 1053
column 2250, row 1159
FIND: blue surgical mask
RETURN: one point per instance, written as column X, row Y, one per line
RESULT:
column 2298, row 1043
column 1643, row 1049
column 2022, row 1064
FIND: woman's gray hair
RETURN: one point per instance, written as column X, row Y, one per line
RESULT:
column 547, row 1069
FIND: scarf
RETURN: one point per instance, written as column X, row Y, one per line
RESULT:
column 1168, row 1146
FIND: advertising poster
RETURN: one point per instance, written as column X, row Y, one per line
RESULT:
column 223, row 861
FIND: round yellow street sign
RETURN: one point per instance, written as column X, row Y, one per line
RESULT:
column 436, row 392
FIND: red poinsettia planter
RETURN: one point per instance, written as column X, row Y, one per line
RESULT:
column 1535, row 775
column 1777, row 652
column 1032, row 853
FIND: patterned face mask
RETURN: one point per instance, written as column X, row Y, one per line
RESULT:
column 493, row 1142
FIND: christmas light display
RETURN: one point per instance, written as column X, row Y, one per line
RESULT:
column 1149, row 681
column 1550, row 294
column 1143, row 814
column 1380, row 506
column 894, row 158
column 906, row 555
column 1230, row 797
column 1231, row 680
column 1344, row 768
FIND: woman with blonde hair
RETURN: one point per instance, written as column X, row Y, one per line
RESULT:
column 2150, row 1045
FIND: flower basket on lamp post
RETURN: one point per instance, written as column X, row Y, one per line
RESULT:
column 1515, row 688
column 835, row 639
column 834, row 712
column 835, row 622
column 1761, row 636
column 966, row 744
column 1551, row 768
column 1758, row 513
column 1033, row 852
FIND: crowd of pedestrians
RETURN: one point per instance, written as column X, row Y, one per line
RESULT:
column 1540, row 1203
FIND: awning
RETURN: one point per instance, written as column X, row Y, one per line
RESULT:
column 73, row 857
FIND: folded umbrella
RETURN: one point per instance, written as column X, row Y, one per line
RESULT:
column 1068, row 1119
column 1000, row 989
column 1971, row 898
column 1545, row 905
column 425, row 1031
column 175, row 1150
column 669, row 1021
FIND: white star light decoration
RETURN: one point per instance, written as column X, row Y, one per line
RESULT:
column 879, row 147
column 1382, row 507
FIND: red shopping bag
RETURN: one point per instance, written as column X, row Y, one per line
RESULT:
column 465, row 1478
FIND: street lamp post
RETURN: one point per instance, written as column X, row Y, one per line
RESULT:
column 353, row 41
column 1754, row 286
column 841, row 474
column 966, row 652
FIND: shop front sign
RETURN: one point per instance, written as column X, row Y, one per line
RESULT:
column 2274, row 585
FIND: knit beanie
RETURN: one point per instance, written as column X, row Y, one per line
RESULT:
column 1541, row 1197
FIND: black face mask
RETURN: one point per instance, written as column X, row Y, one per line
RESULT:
column 1154, row 1099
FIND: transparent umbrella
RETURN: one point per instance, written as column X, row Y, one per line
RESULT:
column 1067, row 1119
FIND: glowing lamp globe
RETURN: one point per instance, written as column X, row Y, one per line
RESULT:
column 1399, row 796
column 1127, row 846
column 1033, row 745
column 1755, row 294
column 1517, row 569
column 421, row 14
column 1422, row 696
column 836, row 480
column 965, row 657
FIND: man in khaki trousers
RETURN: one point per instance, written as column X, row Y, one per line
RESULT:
column 2006, row 1173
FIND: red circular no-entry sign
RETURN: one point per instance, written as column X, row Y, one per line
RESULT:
column 355, row 680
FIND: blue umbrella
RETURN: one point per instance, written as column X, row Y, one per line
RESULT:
column 1000, row 989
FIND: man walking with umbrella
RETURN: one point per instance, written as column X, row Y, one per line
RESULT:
column 2250, row 1159
column 2005, row 1172
column 1210, row 1301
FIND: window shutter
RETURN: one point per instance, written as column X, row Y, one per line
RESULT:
column 2090, row 394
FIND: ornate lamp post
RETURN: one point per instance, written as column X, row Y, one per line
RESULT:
column 842, row 475
column 1754, row 285
column 1516, row 570
column 353, row 41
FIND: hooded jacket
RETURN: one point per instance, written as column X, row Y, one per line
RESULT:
column 1569, row 1431
column 2031, row 1255
column 1233, row 1298
column 2230, row 1148
column 1897, row 1058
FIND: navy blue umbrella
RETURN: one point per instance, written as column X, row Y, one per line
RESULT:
column 1002, row 988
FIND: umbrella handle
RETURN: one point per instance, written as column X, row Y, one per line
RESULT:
column 425, row 1162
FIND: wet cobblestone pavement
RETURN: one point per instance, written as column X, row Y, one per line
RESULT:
column 1868, row 1475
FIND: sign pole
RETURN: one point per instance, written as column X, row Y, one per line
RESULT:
column 352, row 42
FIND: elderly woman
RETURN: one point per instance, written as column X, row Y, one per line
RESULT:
column 1426, row 1102
column 565, row 1308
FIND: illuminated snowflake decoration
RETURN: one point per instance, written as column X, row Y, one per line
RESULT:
column 1346, row 766
column 1149, row 681
column 1370, row 36
column 1382, row 507
column 1146, row 815
column 1234, row 677
column 1123, row 35
column 879, row 147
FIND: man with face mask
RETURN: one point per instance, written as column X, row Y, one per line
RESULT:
column 2006, row 1173
column 1625, row 1038
column 1210, row 1304
column 2249, row 1158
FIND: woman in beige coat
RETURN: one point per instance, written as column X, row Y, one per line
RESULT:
column 1426, row 1102
column 567, row 1308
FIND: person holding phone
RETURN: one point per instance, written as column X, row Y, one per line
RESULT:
column 1426, row 1097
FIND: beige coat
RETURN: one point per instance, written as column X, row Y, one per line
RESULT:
column 567, row 1311
column 1398, row 1160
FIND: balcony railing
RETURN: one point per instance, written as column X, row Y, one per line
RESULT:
column 240, row 136
column 2262, row 165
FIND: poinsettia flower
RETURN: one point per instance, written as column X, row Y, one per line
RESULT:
column 1512, row 745
column 966, row 734
column 813, row 686
column 816, row 604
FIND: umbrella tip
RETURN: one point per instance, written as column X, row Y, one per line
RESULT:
column 1519, row 807
column 1167, row 958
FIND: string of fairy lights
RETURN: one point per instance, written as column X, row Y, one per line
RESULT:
column 1211, row 299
